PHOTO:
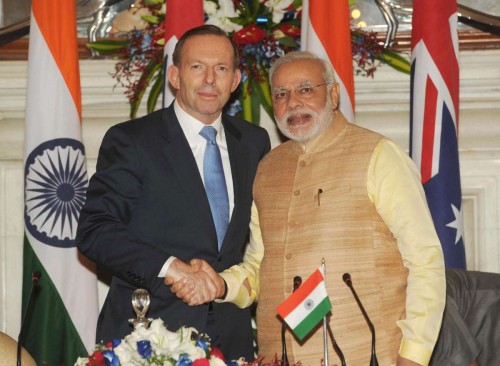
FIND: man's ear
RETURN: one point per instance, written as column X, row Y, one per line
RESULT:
column 173, row 76
column 335, row 95
column 236, row 80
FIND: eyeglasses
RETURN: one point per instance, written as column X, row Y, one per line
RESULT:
column 304, row 92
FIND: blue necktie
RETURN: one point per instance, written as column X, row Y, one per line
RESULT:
column 215, row 183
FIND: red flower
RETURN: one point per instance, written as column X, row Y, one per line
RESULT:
column 159, row 33
column 215, row 352
column 290, row 30
column 201, row 362
column 96, row 359
column 249, row 34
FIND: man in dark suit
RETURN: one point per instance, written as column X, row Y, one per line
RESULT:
column 148, row 213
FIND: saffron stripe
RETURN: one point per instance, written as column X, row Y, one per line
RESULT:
column 300, row 294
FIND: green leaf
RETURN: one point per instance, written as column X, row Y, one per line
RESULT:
column 151, row 19
column 287, row 41
column 255, row 106
column 396, row 61
column 238, row 20
column 142, row 84
column 155, row 92
column 262, row 91
column 246, row 102
column 108, row 45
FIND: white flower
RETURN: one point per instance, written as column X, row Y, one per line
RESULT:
column 278, row 8
column 209, row 7
column 216, row 361
column 219, row 15
column 127, row 353
column 82, row 361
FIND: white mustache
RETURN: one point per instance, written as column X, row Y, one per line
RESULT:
column 301, row 112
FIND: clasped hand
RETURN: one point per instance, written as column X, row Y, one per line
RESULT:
column 195, row 283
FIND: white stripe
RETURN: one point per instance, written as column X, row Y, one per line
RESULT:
column 424, row 67
column 300, row 312
column 51, row 113
column 169, row 95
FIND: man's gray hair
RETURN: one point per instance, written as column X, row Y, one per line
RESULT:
column 328, row 74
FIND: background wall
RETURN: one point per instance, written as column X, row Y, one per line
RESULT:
column 382, row 104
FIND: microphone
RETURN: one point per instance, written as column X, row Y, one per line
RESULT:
column 35, row 277
column 297, row 281
column 348, row 281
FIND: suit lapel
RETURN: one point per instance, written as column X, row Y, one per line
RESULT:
column 238, row 157
column 183, row 165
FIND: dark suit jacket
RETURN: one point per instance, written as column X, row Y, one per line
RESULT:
column 146, row 202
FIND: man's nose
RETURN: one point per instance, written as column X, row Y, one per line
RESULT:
column 294, row 100
column 209, row 76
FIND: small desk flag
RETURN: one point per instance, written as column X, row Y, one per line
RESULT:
column 304, row 309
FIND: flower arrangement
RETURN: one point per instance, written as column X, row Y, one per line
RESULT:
column 157, row 345
column 263, row 30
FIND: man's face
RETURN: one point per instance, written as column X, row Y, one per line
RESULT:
column 205, row 77
column 303, row 108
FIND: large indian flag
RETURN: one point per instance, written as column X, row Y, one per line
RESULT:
column 304, row 309
column 326, row 32
column 61, row 325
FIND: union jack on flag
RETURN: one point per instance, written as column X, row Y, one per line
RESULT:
column 434, row 119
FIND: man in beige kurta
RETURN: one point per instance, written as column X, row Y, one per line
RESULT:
column 351, row 196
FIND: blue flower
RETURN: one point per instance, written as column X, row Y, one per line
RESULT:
column 183, row 360
column 110, row 358
column 202, row 344
column 116, row 342
column 144, row 349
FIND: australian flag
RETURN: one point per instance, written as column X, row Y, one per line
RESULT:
column 434, row 119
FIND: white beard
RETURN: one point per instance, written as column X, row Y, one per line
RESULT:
column 321, row 121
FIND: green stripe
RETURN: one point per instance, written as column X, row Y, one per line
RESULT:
column 310, row 321
column 50, row 337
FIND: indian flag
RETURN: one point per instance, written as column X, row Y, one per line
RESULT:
column 304, row 309
column 326, row 32
column 61, row 324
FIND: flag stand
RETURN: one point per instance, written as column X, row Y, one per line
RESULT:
column 325, row 325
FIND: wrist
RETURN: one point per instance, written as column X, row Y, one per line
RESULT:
column 224, row 288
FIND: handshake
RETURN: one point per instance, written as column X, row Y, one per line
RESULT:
column 195, row 283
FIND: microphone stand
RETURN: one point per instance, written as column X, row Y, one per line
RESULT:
column 297, row 281
column 336, row 347
column 35, row 277
column 348, row 281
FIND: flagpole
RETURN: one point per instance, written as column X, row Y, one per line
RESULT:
column 325, row 343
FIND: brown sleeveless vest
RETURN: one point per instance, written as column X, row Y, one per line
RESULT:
column 313, row 204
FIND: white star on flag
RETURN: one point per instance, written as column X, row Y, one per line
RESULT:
column 457, row 224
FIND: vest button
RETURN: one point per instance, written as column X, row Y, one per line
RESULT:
column 302, row 163
column 296, row 192
column 288, row 256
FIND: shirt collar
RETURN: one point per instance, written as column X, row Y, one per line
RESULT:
column 192, row 126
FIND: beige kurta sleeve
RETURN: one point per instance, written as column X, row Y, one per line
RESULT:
column 234, row 276
column 395, row 189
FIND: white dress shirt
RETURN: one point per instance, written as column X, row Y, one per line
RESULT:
column 191, row 128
